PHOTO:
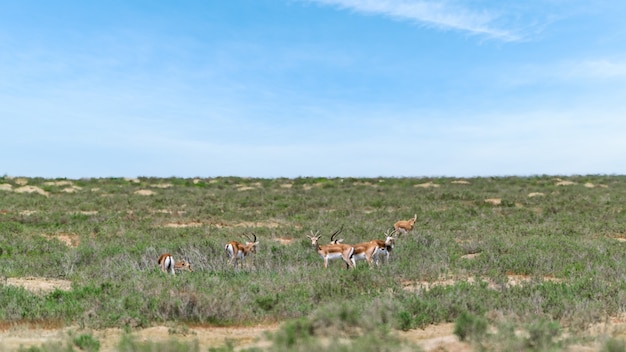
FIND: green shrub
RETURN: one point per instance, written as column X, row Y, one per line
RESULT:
column 470, row 327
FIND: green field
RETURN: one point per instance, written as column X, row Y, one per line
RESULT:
column 539, row 255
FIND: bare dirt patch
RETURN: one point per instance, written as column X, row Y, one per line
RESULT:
column 460, row 182
column 284, row 240
column 71, row 189
column 252, row 186
column 493, row 201
column 145, row 192
column 31, row 189
column 535, row 194
column 59, row 183
column 560, row 182
column 220, row 224
column 435, row 338
column 427, row 185
column 240, row 337
column 471, row 256
column 512, row 280
column 39, row 284
column 432, row 338
column 69, row 239
column 162, row 185
column 184, row 224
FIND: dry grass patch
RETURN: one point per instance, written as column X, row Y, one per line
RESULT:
column 220, row 224
column 162, row 185
column 535, row 194
column 308, row 187
column 460, row 182
column 619, row 237
column 471, row 256
column 284, row 240
column 512, row 280
column 493, row 201
column 184, row 224
column 39, row 284
column 69, row 239
column 145, row 192
column 59, row 183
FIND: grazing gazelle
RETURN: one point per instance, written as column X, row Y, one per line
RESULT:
column 333, row 250
column 404, row 226
column 167, row 263
column 237, row 251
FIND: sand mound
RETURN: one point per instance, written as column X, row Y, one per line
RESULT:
column 31, row 189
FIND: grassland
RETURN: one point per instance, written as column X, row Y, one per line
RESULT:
column 517, row 263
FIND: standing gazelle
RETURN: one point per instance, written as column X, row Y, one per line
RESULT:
column 168, row 264
column 404, row 226
column 389, row 244
column 333, row 250
column 374, row 249
column 237, row 251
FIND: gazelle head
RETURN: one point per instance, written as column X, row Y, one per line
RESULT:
column 315, row 237
column 390, row 240
column 184, row 264
column 252, row 243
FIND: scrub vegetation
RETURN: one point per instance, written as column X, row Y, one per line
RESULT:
column 517, row 263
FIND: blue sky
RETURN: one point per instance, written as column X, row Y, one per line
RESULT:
column 330, row 88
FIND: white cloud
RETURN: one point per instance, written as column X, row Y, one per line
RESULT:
column 441, row 14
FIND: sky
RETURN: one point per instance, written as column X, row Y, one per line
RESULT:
column 312, row 88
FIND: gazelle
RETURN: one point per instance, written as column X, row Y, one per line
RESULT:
column 333, row 250
column 389, row 244
column 237, row 251
column 404, row 226
column 374, row 249
column 368, row 251
column 168, row 264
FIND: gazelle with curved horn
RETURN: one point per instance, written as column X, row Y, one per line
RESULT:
column 404, row 226
column 237, row 251
column 389, row 243
column 333, row 250
column 168, row 264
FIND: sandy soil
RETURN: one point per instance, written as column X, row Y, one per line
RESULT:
column 432, row 338
column 14, row 337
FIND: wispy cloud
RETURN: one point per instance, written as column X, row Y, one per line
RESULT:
column 601, row 68
column 440, row 14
